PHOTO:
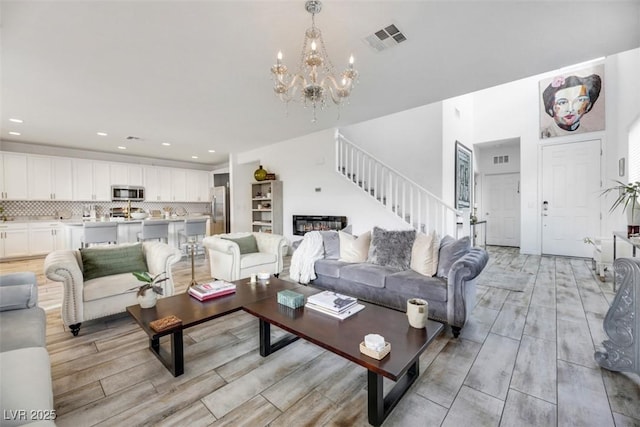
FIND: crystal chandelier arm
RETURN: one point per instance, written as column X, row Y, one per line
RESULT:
column 338, row 91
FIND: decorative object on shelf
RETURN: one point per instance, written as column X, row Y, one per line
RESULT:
column 417, row 312
column 315, row 77
column 628, row 198
column 260, row 174
column 147, row 293
column 270, row 177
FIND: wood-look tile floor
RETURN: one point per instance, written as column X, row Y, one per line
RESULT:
column 523, row 359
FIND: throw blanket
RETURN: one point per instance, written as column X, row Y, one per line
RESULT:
column 310, row 250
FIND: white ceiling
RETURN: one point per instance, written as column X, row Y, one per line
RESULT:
column 196, row 73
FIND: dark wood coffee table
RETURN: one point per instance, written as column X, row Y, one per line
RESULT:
column 343, row 337
column 193, row 312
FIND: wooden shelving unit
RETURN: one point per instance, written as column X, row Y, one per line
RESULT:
column 266, row 206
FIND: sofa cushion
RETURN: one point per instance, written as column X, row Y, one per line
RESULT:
column 257, row 258
column 107, row 261
column 366, row 274
column 391, row 248
column 246, row 244
column 409, row 282
column 424, row 253
column 329, row 267
column 16, row 297
column 22, row 328
column 108, row 286
column 451, row 250
column 352, row 248
column 26, row 384
column 331, row 243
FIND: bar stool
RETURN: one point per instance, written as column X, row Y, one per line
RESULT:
column 193, row 229
column 99, row 232
column 152, row 230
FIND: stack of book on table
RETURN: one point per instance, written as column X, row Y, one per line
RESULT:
column 334, row 304
column 215, row 289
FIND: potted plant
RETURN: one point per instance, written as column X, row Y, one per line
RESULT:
column 628, row 197
column 147, row 293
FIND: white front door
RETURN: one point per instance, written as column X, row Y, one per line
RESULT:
column 501, row 202
column 570, row 197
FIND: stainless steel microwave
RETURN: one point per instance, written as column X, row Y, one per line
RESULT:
column 125, row 193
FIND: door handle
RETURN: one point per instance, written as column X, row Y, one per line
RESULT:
column 545, row 208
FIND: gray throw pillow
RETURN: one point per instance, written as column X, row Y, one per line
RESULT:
column 247, row 244
column 451, row 250
column 107, row 261
column 391, row 248
column 331, row 242
column 16, row 297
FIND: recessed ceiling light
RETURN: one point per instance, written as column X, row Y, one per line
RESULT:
column 101, row 133
column 120, row 147
column 166, row 144
column 15, row 133
column 212, row 151
column 16, row 120
column 194, row 157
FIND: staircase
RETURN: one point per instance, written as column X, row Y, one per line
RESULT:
column 399, row 194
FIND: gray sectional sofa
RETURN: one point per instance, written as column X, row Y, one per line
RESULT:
column 450, row 294
column 26, row 395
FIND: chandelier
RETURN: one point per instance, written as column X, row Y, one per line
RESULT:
column 315, row 77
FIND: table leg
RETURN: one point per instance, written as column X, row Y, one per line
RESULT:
column 379, row 407
column 174, row 361
column 614, row 260
column 266, row 348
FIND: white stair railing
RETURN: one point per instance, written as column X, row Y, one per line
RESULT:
column 413, row 203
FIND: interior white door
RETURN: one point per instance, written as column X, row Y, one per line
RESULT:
column 501, row 202
column 570, row 197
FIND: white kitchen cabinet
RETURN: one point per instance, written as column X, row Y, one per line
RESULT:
column 13, row 176
column 91, row 180
column 157, row 184
column 50, row 178
column 128, row 233
column 126, row 174
column 178, row 185
column 197, row 186
column 45, row 238
column 14, row 240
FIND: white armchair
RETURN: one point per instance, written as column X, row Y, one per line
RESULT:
column 228, row 263
column 84, row 300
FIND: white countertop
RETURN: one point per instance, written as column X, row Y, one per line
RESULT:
column 78, row 221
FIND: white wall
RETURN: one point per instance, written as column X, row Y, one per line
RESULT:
column 409, row 141
column 511, row 111
column 304, row 164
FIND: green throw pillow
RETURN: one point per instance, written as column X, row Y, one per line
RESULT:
column 247, row 244
column 99, row 262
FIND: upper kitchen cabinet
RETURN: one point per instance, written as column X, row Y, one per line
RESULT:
column 178, row 185
column 197, row 186
column 91, row 180
column 13, row 176
column 50, row 178
column 126, row 174
column 157, row 184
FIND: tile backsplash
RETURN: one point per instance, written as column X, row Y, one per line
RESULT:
column 20, row 208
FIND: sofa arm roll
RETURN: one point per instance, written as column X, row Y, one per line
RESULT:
column 270, row 243
column 160, row 257
column 463, row 271
column 62, row 266
column 221, row 245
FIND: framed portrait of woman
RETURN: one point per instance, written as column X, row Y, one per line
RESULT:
column 464, row 172
column 572, row 102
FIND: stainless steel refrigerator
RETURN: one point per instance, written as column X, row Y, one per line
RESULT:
column 219, row 210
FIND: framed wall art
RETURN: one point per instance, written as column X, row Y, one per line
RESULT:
column 464, row 172
column 572, row 102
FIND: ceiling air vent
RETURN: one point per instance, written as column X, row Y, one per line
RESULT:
column 385, row 38
column 133, row 138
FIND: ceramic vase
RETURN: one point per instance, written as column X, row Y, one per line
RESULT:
column 417, row 312
column 260, row 174
column 633, row 219
column 147, row 299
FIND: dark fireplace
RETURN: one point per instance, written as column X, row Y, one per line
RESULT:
column 304, row 223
